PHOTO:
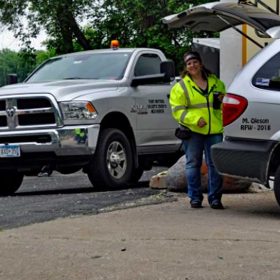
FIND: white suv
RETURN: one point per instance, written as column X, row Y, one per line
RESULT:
column 251, row 108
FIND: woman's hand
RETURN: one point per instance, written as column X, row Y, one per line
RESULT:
column 201, row 122
column 221, row 96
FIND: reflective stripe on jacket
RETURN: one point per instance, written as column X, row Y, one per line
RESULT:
column 189, row 104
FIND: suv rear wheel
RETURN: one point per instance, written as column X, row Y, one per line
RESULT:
column 277, row 185
column 112, row 164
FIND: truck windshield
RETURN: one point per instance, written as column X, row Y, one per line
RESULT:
column 108, row 66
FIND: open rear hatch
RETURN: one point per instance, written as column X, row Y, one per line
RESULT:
column 217, row 16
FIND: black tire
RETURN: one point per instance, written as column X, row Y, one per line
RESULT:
column 136, row 175
column 112, row 164
column 277, row 185
column 10, row 182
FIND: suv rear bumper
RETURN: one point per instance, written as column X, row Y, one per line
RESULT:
column 245, row 158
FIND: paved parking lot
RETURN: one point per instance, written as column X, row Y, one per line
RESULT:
column 163, row 241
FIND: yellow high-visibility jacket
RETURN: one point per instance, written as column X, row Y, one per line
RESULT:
column 189, row 104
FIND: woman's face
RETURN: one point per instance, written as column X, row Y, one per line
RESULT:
column 194, row 67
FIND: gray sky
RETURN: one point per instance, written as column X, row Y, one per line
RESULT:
column 7, row 40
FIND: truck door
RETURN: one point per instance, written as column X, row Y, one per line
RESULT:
column 154, row 122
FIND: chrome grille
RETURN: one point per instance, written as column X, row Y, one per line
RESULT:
column 22, row 112
column 2, row 105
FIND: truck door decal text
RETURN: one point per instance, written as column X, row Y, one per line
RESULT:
column 157, row 106
column 139, row 109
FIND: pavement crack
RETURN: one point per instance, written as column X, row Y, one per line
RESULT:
column 209, row 239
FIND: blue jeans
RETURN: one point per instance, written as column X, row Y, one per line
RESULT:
column 194, row 148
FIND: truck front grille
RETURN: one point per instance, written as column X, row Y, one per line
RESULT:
column 2, row 105
column 33, row 103
column 3, row 121
column 26, row 139
column 36, row 119
column 22, row 112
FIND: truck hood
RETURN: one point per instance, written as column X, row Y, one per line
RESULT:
column 62, row 90
column 219, row 16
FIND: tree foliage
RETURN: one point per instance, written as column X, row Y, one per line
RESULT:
column 58, row 18
column 138, row 23
column 135, row 23
column 20, row 63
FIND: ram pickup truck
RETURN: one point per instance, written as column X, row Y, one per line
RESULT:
column 103, row 111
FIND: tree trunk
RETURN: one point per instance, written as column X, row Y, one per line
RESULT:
column 65, row 30
column 70, row 29
column 78, row 33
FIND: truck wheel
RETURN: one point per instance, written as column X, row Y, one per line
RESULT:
column 277, row 185
column 112, row 163
column 10, row 182
column 136, row 175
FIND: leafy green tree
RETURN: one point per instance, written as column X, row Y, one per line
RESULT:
column 41, row 56
column 59, row 18
column 135, row 23
column 8, row 64
column 138, row 23
column 14, row 63
column 20, row 63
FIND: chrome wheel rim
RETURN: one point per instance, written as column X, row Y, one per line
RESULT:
column 116, row 160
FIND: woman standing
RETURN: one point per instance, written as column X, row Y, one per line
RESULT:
column 196, row 103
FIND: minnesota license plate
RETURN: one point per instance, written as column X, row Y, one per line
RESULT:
column 7, row 151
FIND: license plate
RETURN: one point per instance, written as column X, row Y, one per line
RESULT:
column 7, row 151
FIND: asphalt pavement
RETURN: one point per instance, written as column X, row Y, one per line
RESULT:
column 169, row 240
column 41, row 199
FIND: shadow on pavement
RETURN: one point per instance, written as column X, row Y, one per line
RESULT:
column 77, row 190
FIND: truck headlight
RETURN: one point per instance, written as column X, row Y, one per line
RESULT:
column 78, row 110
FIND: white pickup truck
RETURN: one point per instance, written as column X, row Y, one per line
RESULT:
column 103, row 111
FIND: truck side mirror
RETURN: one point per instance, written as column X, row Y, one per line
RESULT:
column 168, row 68
column 12, row 79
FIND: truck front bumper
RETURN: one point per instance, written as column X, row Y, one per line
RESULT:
column 63, row 141
column 244, row 158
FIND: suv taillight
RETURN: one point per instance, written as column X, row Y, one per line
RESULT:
column 233, row 106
